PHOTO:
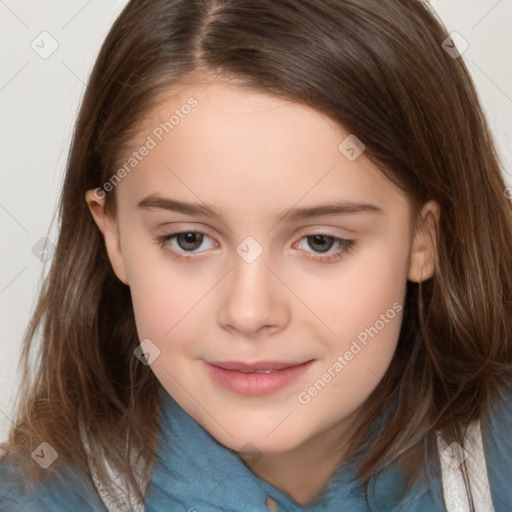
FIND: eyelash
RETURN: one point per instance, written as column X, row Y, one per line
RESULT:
column 346, row 246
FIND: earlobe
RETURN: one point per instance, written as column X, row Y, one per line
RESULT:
column 109, row 229
column 424, row 246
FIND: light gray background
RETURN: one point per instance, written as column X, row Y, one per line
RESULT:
column 39, row 98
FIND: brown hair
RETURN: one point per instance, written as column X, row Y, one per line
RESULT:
column 376, row 67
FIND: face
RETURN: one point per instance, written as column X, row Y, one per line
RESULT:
column 272, row 315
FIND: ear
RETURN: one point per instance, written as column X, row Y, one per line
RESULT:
column 424, row 247
column 110, row 231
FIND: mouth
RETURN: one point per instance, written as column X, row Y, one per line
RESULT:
column 253, row 379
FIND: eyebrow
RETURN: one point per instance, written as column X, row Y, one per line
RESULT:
column 293, row 214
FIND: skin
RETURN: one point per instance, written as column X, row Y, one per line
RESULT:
column 254, row 156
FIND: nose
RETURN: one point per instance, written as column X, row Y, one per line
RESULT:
column 253, row 300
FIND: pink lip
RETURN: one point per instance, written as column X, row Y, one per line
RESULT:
column 248, row 379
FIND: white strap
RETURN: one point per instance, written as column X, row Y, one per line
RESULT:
column 117, row 497
column 451, row 457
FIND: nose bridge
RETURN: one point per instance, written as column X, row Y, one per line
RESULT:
column 251, row 300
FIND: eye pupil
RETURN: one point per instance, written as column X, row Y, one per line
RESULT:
column 317, row 240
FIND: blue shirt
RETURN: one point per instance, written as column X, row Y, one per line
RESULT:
column 195, row 473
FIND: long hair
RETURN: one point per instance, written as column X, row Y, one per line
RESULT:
column 379, row 69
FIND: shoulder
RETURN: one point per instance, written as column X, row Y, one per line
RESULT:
column 497, row 441
column 63, row 490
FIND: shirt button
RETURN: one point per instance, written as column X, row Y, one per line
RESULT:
column 271, row 504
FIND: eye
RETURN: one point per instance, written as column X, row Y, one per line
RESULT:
column 321, row 243
column 187, row 241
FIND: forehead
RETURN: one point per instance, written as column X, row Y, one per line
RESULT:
column 228, row 145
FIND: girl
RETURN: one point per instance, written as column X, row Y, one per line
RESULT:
column 282, row 280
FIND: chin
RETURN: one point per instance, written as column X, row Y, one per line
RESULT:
column 256, row 439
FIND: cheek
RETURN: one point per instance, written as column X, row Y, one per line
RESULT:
column 364, row 307
column 165, row 296
column 353, row 298
column 166, row 307
column 357, row 360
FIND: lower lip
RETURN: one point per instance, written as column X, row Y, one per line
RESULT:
column 255, row 384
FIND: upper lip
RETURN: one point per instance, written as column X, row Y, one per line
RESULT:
column 255, row 367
